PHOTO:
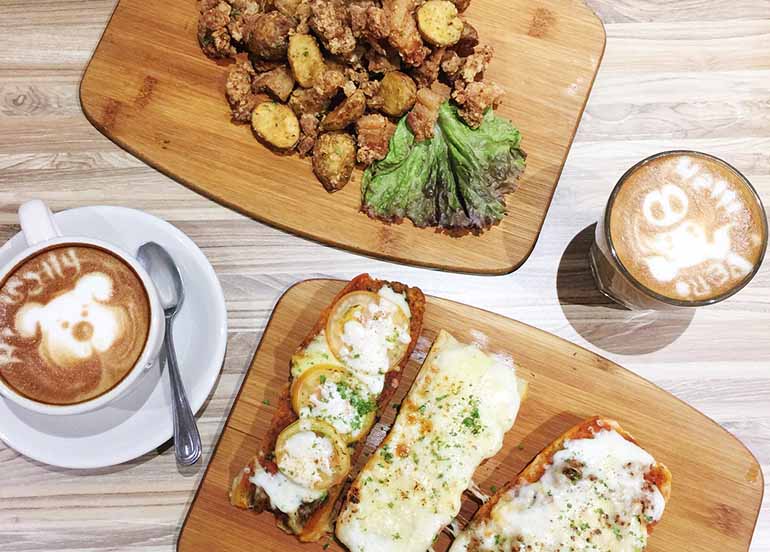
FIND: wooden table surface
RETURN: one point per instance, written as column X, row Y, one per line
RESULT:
column 689, row 74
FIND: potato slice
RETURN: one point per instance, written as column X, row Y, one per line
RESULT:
column 306, row 59
column 276, row 124
column 439, row 22
column 334, row 157
column 398, row 92
column 347, row 113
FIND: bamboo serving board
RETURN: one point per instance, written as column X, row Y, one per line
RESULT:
column 151, row 90
column 717, row 485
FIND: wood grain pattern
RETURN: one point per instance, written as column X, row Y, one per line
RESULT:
column 717, row 360
column 150, row 89
column 566, row 385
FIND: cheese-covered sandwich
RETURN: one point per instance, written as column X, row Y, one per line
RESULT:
column 594, row 488
column 460, row 406
column 343, row 373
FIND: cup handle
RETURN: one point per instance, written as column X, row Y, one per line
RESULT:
column 37, row 222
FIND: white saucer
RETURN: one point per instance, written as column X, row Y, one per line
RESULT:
column 140, row 421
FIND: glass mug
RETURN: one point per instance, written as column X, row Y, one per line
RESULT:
column 681, row 229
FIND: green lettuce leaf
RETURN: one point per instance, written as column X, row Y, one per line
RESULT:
column 457, row 180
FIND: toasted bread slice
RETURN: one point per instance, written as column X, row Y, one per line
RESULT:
column 457, row 411
column 486, row 531
column 313, row 520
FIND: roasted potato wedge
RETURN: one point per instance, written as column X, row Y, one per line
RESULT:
column 276, row 124
column 347, row 113
column 334, row 157
column 398, row 92
column 439, row 23
column 267, row 36
column 279, row 83
column 306, row 59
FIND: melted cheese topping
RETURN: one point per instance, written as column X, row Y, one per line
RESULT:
column 455, row 416
column 317, row 352
column 593, row 497
column 341, row 405
column 307, row 458
column 367, row 342
column 397, row 298
column 285, row 495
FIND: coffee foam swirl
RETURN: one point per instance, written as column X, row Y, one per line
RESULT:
column 687, row 227
column 74, row 322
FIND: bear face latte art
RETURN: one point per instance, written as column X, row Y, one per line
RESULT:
column 74, row 321
column 683, row 228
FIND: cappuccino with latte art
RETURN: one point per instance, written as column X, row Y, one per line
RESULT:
column 681, row 228
column 74, row 320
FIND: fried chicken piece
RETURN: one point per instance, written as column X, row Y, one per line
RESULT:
column 264, row 65
column 287, row 7
column 267, row 35
column 427, row 73
column 461, row 5
column 278, row 82
column 213, row 33
column 316, row 100
column 242, row 14
column 451, row 64
column 238, row 89
column 347, row 113
column 371, row 90
column 374, row 134
column 369, row 23
column 475, row 99
column 469, row 39
column 474, row 66
column 383, row 63
column 423, row 116
column 307, row 101
column 329, row 83
column 308, row 124
column 330, row 21
column 441, row 89
column 404, row 35
column 357, row 12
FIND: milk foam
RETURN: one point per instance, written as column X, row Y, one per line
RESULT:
column 75, row 324
column 688, row 231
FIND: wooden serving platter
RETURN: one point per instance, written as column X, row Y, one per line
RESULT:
column 151, row 90
column 718, row 484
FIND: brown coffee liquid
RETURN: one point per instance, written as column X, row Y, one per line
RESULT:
column 74, row 321
column 688, row 227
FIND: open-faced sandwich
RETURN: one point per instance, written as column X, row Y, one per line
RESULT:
column 342, row 374
column 460, row 406
column 593, row 488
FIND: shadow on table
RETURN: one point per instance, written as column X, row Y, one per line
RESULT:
column 602, row 322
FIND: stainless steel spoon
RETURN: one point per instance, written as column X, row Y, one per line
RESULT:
column 165, row 275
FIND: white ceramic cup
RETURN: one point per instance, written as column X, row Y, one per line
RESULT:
column 41, row 232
